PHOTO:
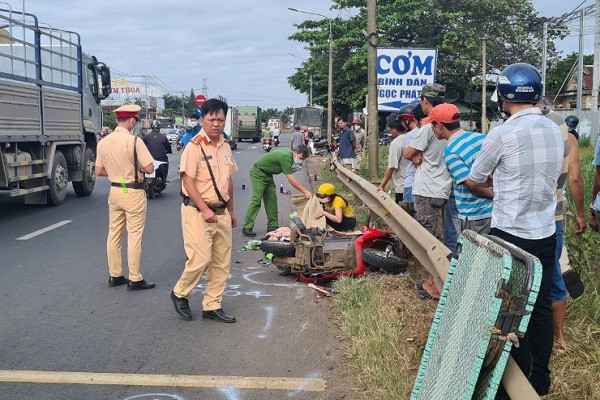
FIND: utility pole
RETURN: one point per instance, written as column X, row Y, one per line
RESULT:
column 372, row 126
column 596, row 75
column 483, row 88
column 580, row 72
column 183, row 109
column 146, row 94
column 310, row 93
column 204, row 88
column 544, row 57
column 330, row 87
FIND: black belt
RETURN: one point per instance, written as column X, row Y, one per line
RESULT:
column 133, row 185
column 218, row 210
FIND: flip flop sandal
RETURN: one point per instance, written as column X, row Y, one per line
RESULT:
column 424, row 294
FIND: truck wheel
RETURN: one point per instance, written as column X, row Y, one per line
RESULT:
column 255, row 140
column 58, row 181
column 282, row 249
column 86, row 186
column 378, row 259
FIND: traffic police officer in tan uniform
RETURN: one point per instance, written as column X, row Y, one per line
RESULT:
column 207, row 216
column 127, row 198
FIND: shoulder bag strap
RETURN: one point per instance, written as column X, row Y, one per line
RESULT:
column 135, row 160
column 212, row 177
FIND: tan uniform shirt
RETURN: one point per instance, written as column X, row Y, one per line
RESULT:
column 115, row 154
column 221, row 162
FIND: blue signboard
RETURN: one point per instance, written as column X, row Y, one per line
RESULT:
column 401, row 74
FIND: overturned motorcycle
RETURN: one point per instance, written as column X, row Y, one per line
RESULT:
column 317, row 256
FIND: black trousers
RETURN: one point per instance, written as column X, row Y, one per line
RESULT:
column 347, row 223
column 399, row 197
column 533, row 354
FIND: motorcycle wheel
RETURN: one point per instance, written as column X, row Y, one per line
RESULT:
column 377, row 259
column 282, row 249
column 150, row 192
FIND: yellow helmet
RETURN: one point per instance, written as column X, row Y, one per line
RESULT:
column 326, row 189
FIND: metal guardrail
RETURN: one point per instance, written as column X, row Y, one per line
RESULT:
column 428, row 250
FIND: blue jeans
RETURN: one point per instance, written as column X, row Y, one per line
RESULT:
column 409, row 198
column 451, row 224
column 558, row 291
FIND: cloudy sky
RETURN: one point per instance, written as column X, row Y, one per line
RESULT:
column 239, row 46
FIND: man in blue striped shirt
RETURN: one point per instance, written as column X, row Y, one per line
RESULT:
column 474, row 203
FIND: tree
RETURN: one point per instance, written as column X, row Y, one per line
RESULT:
column 110, row 120
column 559, row 71
column 456, row 29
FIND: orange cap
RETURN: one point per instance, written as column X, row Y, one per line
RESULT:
column 444, row 113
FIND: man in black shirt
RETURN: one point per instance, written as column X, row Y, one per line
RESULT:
column 158, row 145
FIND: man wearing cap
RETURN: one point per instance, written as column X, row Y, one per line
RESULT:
column 396, row 168
column 297, row 138
column 207, row 216
column 474, row 203
column 359, row 134
column 286, row 161
column 432, row 183
column 123, row 158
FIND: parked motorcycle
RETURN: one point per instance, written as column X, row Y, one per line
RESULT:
column 267, row 144
column 155, row 183
column 320, row 148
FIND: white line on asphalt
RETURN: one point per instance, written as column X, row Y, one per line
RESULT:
column 46, row 229
column 253, row 147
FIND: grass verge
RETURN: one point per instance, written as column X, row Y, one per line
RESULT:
column 385, row 325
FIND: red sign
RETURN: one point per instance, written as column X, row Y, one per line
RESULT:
column 199, row 100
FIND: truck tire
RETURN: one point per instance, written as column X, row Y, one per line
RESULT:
column 282, row 249
column 255, row 140
column 58, row 181
column 86, row 186
column 377, row 259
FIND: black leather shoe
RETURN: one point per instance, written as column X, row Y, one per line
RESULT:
column 218, row 315
column 182, row 306
column 141, row 285
column 117, row 280
column 248, row 232
column 272, row 228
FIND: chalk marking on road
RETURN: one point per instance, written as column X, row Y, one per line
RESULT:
column 248, row 277
column 44, row 230
column 155, row 396
column 230, row 393
column 306, row 383
column 237, row 152
column 270, row 315
column 253, row 147
column 196, row 381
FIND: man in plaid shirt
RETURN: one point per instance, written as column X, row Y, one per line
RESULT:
column 525, row 156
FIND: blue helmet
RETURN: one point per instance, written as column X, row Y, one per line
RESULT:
column 519, row 83
column 189, row 129
column 297, row 127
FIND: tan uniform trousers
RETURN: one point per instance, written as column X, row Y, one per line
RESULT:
column 208, row 249
column 125, row 209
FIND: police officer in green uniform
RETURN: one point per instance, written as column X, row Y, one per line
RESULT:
column 284, row 161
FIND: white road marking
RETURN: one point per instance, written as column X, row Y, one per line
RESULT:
column 253, row 147
column 46, row 229
column 270, row 315
column 193, row 381
column 237, row 152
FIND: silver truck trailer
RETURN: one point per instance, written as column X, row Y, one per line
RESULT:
column 50, row 113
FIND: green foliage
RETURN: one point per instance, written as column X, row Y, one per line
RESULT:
column 559, row 71
column 454, row 28
column 110, row 120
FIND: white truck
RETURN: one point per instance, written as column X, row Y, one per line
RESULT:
column 50, row 113
column 232, row 127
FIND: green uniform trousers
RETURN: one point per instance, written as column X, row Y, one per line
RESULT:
column 263, row 188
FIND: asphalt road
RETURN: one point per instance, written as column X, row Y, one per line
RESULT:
column 66, row 335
